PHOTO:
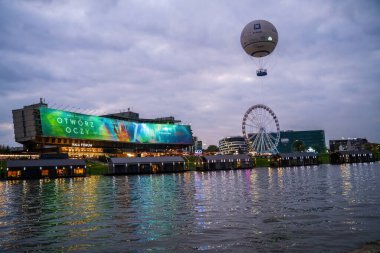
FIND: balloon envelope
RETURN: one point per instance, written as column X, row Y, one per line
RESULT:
column 259, row 38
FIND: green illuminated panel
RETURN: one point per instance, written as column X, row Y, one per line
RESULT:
column 57, row 123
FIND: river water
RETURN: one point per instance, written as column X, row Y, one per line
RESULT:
column 324, row 208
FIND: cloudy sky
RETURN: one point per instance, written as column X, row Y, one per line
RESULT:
column 184, row 59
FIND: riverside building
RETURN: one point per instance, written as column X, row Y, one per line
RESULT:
column 41, row 129
column 233, row 145
column 350, row 144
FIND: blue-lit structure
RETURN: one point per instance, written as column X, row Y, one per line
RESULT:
column 295, row 141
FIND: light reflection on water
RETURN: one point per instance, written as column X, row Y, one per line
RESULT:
column 297, row 209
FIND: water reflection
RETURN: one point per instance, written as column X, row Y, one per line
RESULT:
column 48, row 210
column 313, row 208
column 345, row 172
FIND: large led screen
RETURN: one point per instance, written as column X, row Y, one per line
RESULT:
column 57, row 123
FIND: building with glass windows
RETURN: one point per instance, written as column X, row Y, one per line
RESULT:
column 233, row 145
column 295, row 141
column 42, row 129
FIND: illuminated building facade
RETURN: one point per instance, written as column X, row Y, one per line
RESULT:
column 42, row 129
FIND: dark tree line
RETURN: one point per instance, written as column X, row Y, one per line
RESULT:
column 5, row 149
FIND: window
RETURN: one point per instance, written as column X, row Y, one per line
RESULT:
column 61, row 172
column 79, row 171
column 14, row 173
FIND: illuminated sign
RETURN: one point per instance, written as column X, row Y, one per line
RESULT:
column 81, row 145
column 198, row 152
column 285, row 140
column 57, row 123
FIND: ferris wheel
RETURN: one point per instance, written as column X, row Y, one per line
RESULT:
column 261, row 129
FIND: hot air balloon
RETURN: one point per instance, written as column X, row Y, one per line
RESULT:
column 258, row 39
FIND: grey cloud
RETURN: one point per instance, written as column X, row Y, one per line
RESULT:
column 183, row 58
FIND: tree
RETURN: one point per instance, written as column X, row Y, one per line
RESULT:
column 3, row 149
column 298, row 146
column 212, row 148
column 317, row 148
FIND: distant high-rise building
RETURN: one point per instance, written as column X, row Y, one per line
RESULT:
column 196, row 147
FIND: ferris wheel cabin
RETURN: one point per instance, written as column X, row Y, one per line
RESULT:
column 261, row 72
